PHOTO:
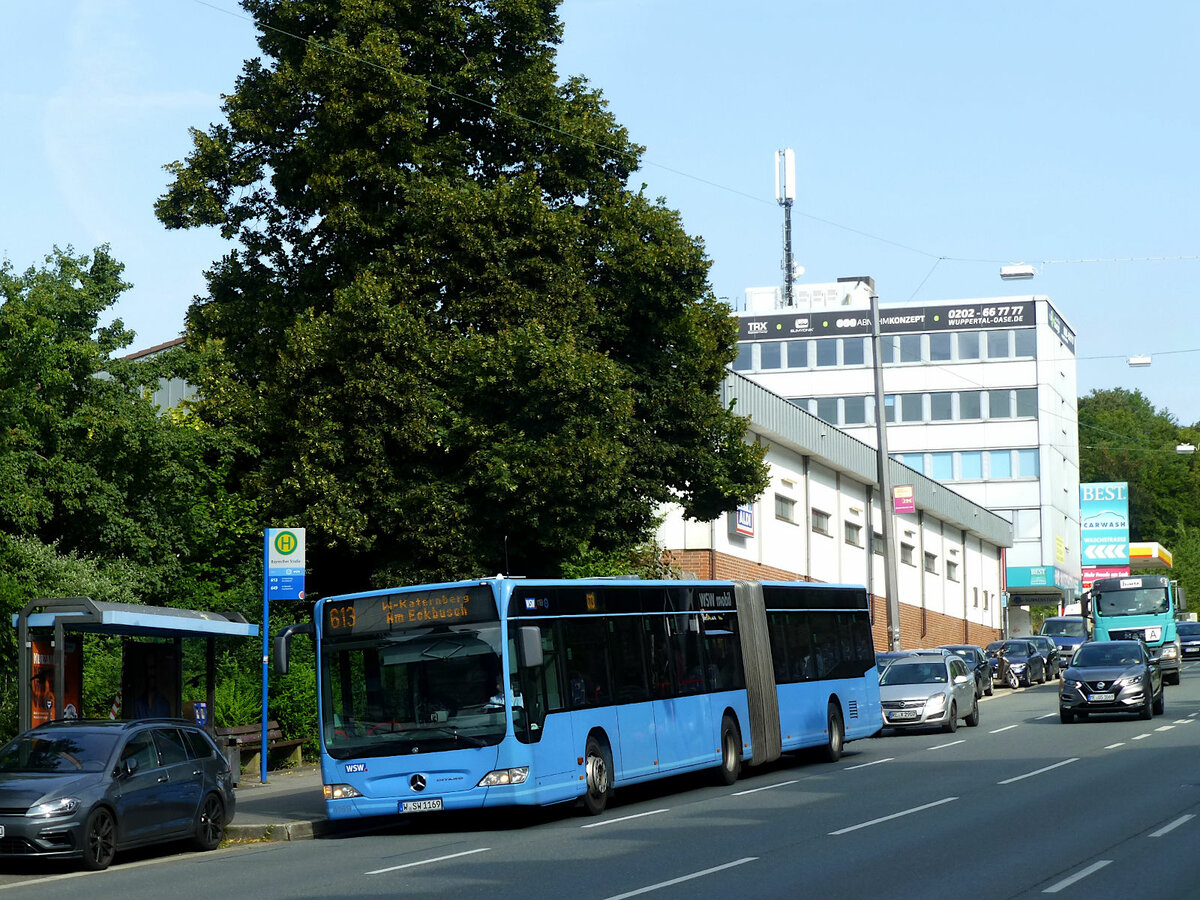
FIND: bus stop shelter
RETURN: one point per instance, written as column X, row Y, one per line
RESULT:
column 82, row 614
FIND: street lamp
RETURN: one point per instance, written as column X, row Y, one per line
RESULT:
column 1185, row 449
column 890, row 588
column 1018, row 272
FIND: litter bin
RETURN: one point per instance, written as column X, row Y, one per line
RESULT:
column 233, row 753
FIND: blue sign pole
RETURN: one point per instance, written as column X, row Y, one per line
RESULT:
column 266, row 629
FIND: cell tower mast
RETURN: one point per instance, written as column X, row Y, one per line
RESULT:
column 785, row 194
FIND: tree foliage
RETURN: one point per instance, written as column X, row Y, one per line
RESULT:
column 456, row 338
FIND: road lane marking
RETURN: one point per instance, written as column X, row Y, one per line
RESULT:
column 1142, row 737
column 907, row 812
column 425, row 862
column 1047, row 716
column 1171, row 826
column 1083, row 873
column 864, row 765
column 1164, row 727
column 683, row 878
column 767, row 788
column 944, row 746
column 1005, row 728
column 1183, row 722
column 1065, row 762
column 653, row 812
column 1115, row 746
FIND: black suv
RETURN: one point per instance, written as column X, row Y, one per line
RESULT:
column 1111, row 677
column 84, row 789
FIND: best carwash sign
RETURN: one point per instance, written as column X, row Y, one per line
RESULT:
column 1104, row 524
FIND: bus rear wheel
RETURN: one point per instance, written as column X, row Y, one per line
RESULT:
column 731, row 751
column 597, row 777
column 835, row 734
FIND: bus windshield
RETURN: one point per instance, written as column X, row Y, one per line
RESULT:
column 413, row 691
column 1137, row 602
column 1064, row 628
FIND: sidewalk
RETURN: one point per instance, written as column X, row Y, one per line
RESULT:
column 289, row 807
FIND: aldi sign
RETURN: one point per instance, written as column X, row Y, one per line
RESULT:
column 1104, row 524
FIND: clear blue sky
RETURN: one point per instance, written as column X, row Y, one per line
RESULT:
column 984, row 134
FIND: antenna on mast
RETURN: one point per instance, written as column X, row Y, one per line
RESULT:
column 785, row 194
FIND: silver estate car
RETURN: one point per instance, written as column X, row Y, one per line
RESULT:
column 85, row 789
column 928, row 690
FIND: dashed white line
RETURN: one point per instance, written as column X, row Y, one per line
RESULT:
column 767, row 788
column 1115, row 746
column 864, row 765
column 1081, row 874
column 1005, row 728
column 1171, row 826
column 1049, row 716
column 907, row 812
column 1183, row 721
column 944, row 746
column 1164, row 727
column 653, row 812
column 1142, row 737
column 425, row 862
column 683, row 878
column 1065, row 762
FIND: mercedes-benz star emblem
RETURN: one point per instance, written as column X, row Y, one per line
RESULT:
column 417, row 782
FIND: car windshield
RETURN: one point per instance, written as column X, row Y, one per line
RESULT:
column 915, row 673
column 1188, row 629
column 57, row 751
column 1099, row 655
column 1015, row 649
column 1064, row 628
column 1136, row 602
column 993, row 647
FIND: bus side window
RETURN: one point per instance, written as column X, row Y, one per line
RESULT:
column 586, row 663
column 540, row 687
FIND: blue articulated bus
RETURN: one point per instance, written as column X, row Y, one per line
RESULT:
column 516, row 691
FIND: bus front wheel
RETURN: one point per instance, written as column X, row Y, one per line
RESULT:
column 598, row 776
column 731, row 751
column 835, row 735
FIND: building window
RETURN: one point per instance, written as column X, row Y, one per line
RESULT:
column 931, row 563
column 1000, row 464
column 1027, row 402
column 975, row 591
column 820, row 522
column 803, row 402
column 855, row 410
column 912, row 408
column 951, row 570
column 877, row 543
column 999, row 404
column 785, row 508
column 797, row 354
column 853, row 534
column 910, row 348
column 969, row 405
column 1027, row 464
column 745, row 358
column 1027, row 524
column 1026, row 341
column 827, row 352
column 827, row 409
column 854, row 351
column 906, row 554
column 770, row 355
column 943, row 466
column 941, row 406
column 889, row 404
column 971, row 464
column 887, row 349
column 985, row 599
column 915, row 461
column 968, row 345
column 939, row 346
column 997, row 344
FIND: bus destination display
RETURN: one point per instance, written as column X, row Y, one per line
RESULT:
column 416, row 609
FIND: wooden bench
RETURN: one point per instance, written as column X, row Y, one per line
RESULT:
column 248, row 740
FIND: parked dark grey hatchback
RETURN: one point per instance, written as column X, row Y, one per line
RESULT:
column 85, row 789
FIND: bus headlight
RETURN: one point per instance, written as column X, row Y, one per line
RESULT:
column 340, row 792
column 515, row 775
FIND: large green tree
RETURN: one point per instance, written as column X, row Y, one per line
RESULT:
column 457, row 339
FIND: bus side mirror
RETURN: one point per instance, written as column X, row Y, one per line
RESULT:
column 529, row 646
column 283, row 642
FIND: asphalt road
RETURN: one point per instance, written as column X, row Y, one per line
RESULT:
column 1020, row 806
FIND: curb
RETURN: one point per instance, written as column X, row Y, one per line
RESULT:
column 285, row 831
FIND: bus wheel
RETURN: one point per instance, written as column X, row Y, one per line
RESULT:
column 731, row 751
column 598, row 778
column 835, row 734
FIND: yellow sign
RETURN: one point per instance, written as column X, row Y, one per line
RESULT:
column 1060, row 549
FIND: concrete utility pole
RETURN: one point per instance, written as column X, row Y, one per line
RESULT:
column 886, row 514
